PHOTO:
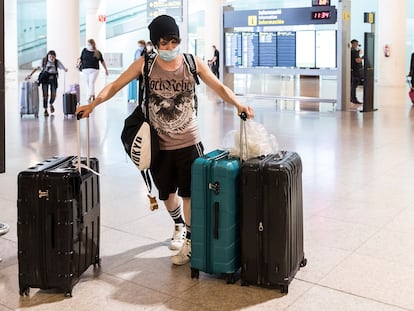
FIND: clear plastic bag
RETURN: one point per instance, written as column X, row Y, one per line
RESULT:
column 255, row 140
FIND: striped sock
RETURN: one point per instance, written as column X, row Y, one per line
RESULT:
column 188, row 234
column 176, row 215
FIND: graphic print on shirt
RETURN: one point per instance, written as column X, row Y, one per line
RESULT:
column 171, row 105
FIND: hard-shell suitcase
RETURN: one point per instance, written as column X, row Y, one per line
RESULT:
column 271, row 220
column 69, row 103
column 215, row 218
column 75, row 89
column 58, row 225
column 133, row 91
column 29, row 98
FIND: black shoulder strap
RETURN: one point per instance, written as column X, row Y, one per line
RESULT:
column 144, row 82
column 189, row 59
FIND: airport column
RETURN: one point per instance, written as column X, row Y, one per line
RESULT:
column 10, row 36
column 213, row 29
column 96, row 23
column 63, row 36
column 343, row 55
column 391, row 34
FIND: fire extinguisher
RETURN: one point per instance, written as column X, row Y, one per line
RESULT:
column 387, row 50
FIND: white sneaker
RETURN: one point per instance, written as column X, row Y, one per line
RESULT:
column 178, row 237
column 184, row 255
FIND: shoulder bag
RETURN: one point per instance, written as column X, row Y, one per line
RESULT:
column 139, row 138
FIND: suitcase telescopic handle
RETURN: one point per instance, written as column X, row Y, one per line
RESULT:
column 243, row 137
column 79, row 117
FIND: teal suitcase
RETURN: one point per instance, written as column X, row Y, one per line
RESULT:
column 215, row 231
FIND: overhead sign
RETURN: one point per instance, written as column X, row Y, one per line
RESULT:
column 102, row 18
column 160, row 7
column 321, row 2
column 280, row 17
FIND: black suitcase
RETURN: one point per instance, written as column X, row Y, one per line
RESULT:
column 69, row 103
column 58, row 224
column 272, row 220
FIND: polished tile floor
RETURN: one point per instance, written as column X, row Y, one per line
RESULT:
column 358, row 186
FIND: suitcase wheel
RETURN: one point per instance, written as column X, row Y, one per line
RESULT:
column 230, row 278
column 284, row 289
column 195, row 273
column 97, row 263
column 303, row 262
column 24, row 291
column 244, row 283
column 68, row 294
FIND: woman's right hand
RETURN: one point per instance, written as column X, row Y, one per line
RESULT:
column 84, row 111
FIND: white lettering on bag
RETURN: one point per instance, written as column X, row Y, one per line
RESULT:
column 141, row 147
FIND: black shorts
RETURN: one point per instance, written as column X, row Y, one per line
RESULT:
column 173, row 171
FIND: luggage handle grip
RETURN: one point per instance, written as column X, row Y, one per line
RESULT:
column 220, row 156
column 216, row 220
column 243, row 138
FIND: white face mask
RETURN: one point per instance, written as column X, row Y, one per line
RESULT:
column 168, row 55
column 149, row 48
column 89, row 47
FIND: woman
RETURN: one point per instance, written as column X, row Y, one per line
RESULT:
column 90, row 59
column 50, row 66
column 172, row 113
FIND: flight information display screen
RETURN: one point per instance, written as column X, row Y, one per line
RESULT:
column 233, row 49
column 250, row 49
column 303, row 49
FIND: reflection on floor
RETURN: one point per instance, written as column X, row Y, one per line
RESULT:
column 358, row 208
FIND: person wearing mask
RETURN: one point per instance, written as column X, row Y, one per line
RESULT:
column 173, row 115
column 90, row 59
column 214, row 62
column 50, row 65
column 140, row 50
column 133, row 85
column 356, row 70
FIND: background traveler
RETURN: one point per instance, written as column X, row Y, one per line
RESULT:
column 90, row 58
column 356, row 70
column 140, row 50
column 214, row 62
column 50, row 65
